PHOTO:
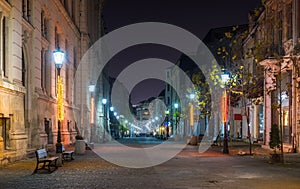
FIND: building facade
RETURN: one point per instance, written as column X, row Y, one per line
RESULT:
column 30, row 31
column 275, row 32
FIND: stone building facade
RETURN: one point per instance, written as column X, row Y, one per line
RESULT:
column 274, row 38
column 30, row 31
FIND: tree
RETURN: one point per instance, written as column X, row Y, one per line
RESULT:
column 274, row 137
column 244, row 86
column 203, row 91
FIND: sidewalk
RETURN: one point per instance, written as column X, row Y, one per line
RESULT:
column 238, row 148
column 91, row 171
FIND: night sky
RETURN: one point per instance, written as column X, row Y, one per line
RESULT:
column 196, row 16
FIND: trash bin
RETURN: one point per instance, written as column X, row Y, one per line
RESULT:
column 80, row 147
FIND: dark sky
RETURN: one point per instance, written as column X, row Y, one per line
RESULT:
column 196, row 16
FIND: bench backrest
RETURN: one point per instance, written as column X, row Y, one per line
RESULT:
column 63, row 148
column 42, row 153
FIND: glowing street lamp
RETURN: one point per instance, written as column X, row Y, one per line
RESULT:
column 192, row 96
column 91, row 88
column 104, row 101
column 176, row 105
column 59, row 57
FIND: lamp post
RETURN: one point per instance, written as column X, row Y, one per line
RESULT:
column 104, row 101
column 59, row 56
column 167, row 112
column 92, row 109
column 225, row 78
column 176, row 117
column 126, row 121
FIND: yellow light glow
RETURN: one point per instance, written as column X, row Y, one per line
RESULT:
column 224, row 106
column 192, row 115
column 92, row 110
column 285, row 118
column 60, row 99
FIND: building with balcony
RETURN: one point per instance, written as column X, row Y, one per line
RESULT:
column 275, row 46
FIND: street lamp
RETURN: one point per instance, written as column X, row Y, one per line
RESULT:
column 59, row 56
column 92, row 109
column 167, row 112
column 91, row 87
column 192, row 96
column 225, row 77
column 176, row 117
column 125, row 123
column 104, row 102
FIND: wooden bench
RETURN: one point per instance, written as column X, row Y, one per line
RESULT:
column 67, row 154
column 48, row 162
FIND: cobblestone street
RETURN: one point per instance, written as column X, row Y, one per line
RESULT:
column 188, row 169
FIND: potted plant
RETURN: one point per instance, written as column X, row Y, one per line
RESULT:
column 274, row 142
column 79, row 145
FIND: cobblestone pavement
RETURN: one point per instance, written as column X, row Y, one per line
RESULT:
column 188, row 169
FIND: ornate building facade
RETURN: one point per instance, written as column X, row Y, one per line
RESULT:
column 30, row 31
column 275, row 37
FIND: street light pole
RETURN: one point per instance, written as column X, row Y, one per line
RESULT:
column 58, row 56
column 92, row 111
column 104, row 101
column 176, row 117
column 225, row 110
column 167, row 120
column 225, row 78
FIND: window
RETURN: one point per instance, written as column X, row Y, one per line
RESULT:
column 289, row 21
column 4, row 131
column 26, row 11
column 3, row 47
column 43, row 69
column 280, row 29
column 73, row 10
column 67, row 83
column 23, row 69
column 43, row 25
column 56, row 38
column 66, row 6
